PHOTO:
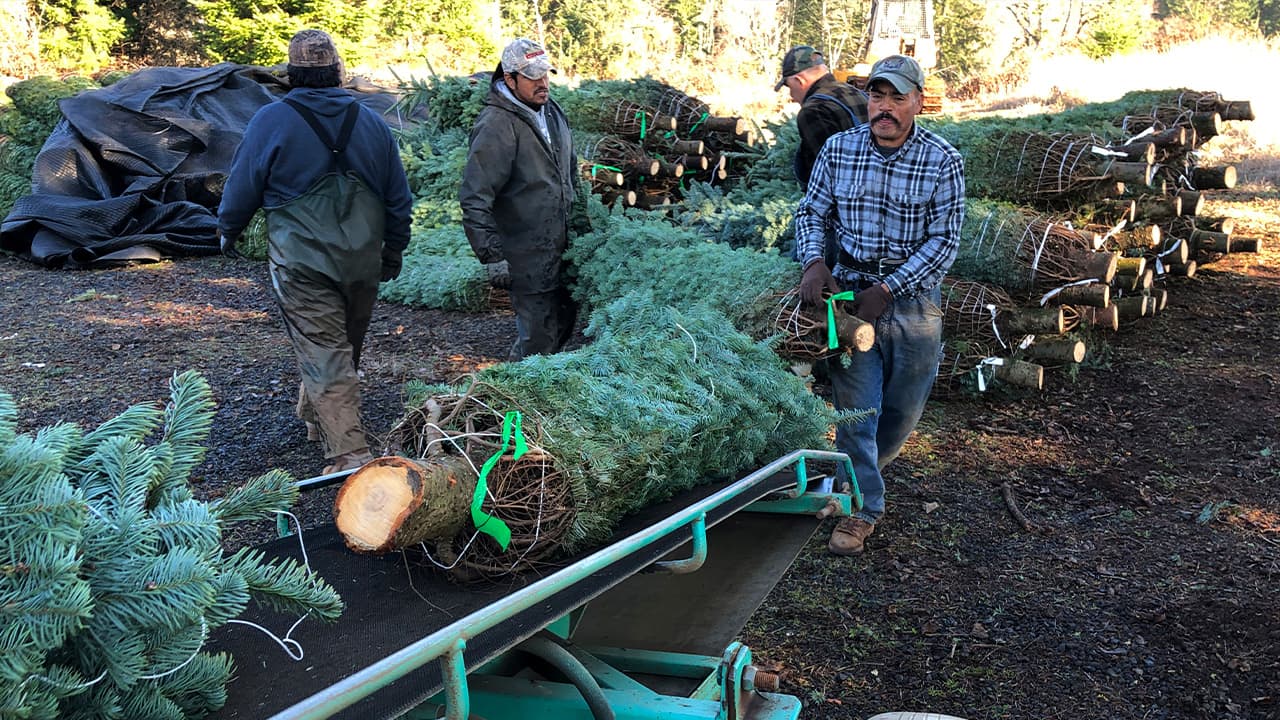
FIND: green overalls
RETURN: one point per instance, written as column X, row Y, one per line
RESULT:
column 324, row 255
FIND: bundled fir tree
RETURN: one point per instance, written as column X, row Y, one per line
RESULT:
column 660, row 401
column 114, row 574
column 755, row 291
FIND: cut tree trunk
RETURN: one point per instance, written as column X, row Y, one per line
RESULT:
column 1132, row 307
column 1107, row 318
column 1093, row 295
column 1157, row 208
column 731, row 125
column 1214, row 178
column 394, row 502
column 1131, row 265
column 1021, row 373
column 1192, row 202
column 1057, row 351
column 1033, row 321
column 1206, row 124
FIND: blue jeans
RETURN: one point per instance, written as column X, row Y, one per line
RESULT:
column 894, row 377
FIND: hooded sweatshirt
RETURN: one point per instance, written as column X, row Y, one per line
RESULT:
column 280, row 158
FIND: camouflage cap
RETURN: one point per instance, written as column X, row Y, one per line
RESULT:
column 902, row 72
column 313, row 48
column 801, row 57
column 526, row 57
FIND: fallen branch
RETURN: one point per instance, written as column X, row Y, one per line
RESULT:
column 1010, row 502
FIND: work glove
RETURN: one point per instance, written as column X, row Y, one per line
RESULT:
column 392, row 261
column 869, row 304
column 815, row 282
column 499, row 274
column 228, row 246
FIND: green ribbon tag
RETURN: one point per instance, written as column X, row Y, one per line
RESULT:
column 595, row 168
column 833, row 340
column 642, row 117
column 695, row 125
column 499, row 530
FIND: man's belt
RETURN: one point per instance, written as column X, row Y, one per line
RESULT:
column 877, row 268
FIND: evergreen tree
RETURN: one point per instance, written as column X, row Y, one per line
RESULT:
column 114, row 574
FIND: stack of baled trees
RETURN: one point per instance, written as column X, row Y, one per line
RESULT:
column 1090, row 210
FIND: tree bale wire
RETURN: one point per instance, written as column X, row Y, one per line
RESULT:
column 1024, row 252
column 1039, row 169
column 661, row 401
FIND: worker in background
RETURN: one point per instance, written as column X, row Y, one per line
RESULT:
column 827, row 106
column 327, row 172
column 518, row 196
column 895, row 194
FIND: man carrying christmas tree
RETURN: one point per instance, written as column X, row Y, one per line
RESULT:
column 327, row 172
column 519, row 197
column 895, row 194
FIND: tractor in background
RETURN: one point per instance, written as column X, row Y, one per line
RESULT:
column 899, row 27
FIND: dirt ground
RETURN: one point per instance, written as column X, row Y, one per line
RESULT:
column 1143, row 586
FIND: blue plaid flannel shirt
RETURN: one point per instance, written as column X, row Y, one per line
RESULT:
column 905, row 207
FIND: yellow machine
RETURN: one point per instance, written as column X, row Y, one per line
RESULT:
column 900, row 27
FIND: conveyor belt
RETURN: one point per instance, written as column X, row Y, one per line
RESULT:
column 392, row 605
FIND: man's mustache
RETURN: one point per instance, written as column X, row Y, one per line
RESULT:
column 885, row 116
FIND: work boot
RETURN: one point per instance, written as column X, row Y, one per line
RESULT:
column 348, row 461
column 849, row 535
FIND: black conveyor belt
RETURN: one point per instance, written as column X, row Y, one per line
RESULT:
column 392, row 602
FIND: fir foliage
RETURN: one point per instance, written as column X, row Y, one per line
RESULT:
column 662, row 400
column 114, row 574
column 631, row 251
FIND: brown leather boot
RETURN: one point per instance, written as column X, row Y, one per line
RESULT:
column 353, row 460
column 849, row 535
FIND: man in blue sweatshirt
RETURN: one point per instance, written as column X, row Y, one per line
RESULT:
column 327, row 173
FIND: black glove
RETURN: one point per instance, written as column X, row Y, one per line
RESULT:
column 392, row 260
column 228, row 246
column 869, row 304
column 817, row 279
column 499, row 274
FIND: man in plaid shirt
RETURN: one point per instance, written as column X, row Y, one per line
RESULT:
column 894, row 194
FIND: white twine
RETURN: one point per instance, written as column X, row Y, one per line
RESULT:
column 291, row 647
column 204, row 634
column 1151, row 130
column 993, row 362
column 991, row 308
column 1106, row 152
column 50, row 681
column 1054, row 292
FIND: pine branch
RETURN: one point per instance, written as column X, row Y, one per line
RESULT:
column 271, row 492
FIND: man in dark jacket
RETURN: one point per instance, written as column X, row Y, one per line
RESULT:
column 518, row 191
column 327, row 172
column 827, row 106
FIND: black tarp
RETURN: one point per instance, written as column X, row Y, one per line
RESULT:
column 134, row 171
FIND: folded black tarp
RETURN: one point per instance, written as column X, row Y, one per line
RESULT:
column 134, row 171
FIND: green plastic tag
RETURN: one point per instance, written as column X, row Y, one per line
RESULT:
column 833, row 339
column 488, row 524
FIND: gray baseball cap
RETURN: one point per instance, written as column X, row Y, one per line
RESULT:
column 902, row 72
column 526, row 57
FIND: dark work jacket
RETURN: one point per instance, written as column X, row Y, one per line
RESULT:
column 517, row 191
column 821, row 117
column 281, row 158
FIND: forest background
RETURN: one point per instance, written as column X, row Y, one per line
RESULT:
column 725, row 51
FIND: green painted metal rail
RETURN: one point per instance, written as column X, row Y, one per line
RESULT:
column 448, row 643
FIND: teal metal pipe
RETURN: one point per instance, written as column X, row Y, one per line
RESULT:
column 353, row 689
column 690, row 564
